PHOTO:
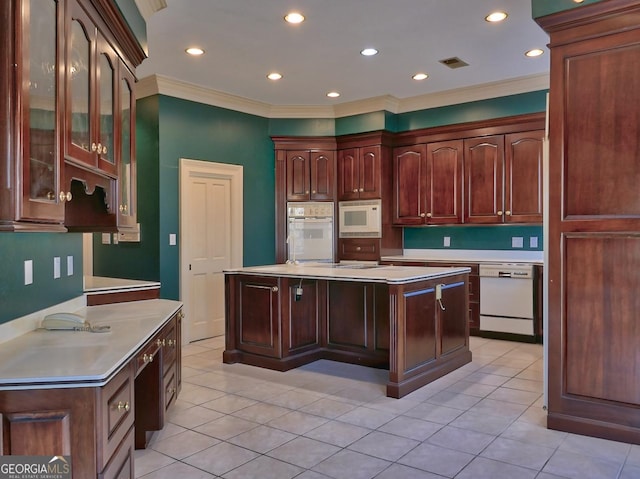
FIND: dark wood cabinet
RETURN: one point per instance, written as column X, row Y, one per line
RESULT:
column 359, row 171
column 302, row 329
column 523, row 177
column 484, row 179
column 310, row 175
column 62, row 106
column 410, row 175
column 594, row 220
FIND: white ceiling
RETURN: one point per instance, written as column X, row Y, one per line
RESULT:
column 244, row 40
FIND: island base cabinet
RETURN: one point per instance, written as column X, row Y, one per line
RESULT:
column 418, row 330
column 431, row 331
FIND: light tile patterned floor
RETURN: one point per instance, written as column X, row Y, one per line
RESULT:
column 333, row 420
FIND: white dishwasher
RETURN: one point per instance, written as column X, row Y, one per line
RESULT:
column 506, row 299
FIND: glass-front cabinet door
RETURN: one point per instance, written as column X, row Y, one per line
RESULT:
column 127, row 172
column 106, row 91
column 42, row 198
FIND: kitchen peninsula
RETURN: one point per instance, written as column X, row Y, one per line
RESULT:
column 411, row 320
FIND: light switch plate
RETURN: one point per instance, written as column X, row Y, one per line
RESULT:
column 56, row 267
column 172, row 239
column 517, row 242
column 69, row 265
column 28, row 272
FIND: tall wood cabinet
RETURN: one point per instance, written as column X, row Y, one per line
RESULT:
column 359, row 173
column 66, row 128
column 594, row 220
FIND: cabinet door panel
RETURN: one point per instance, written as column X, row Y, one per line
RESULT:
column 258, row 322
column 348, row 174
column 453, row 319
column 523, row 177
column 348, row 300
column 444, row 203
column 483, row 166
column 80, row 126
column 322, row 171
column 303, row 315
column 298, row 175
column 38, row 433
column 409, row 164
column 127, row 214
column 370, row 171
column 420, row 327
column 41, row 115
column 106, row 109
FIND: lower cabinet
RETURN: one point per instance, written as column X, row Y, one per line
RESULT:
column 97, row 426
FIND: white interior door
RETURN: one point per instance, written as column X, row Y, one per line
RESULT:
column 208, row 229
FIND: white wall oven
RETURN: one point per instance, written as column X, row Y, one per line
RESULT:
column 310, row 231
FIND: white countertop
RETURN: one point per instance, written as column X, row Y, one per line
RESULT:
column 100, row 284
column 378, row 274
column 469, row 256
column 44, row 358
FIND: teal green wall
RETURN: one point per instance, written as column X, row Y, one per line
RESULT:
column 540, row 8
column 472, row 237
column 138, row 260
column 520, row 104
column 16, row 299
column 302, row 127
column 134, row 19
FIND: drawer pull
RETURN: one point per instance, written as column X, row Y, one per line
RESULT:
column 160, row 342
column 180, row 315
column 147, row 358
column 123, row 406
column 171, row 342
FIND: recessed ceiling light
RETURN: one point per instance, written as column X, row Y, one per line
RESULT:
column 294, row 17
column 578, row 1
column 195, row 51
column 274, row 76
column 535, row 52
column 333, row 94
column 369, row 52
column 496, row 17
column 420, row 76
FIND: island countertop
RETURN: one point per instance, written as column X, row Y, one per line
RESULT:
column 44, row 358
column 352, row 272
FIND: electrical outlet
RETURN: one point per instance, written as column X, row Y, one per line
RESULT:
column 28, row 272
column 533, row 242
column 115, row 238
column 106, row 238
column 446, row 241
column 69, row 265
column 517, row 242
column 56, row 267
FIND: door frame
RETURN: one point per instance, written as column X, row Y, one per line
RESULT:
column 207, row 169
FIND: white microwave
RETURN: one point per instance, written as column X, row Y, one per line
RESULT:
column 360, row 219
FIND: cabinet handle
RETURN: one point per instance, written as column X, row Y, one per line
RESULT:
column 355, row 190
column 358, row 248
column 181, row 315
column 274, row 289
column 500, row 213
column 104, row 150
column 94, row 147
column 314, row 192
column 508, row 213
column 429, row 215
column 99, row 148
column 123, row 406
column 160, row 343
column 422, row 215
column 361, row 190
column 170, row 342
column 306, row 192
column 147, row 358
column 65, row 196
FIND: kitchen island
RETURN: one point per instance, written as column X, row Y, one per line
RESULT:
column 410, row 320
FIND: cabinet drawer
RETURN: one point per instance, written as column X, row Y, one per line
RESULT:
column 365, row 249
column 148, row 354
column 115, row 413
column 121, row 464
column 170, row 386
column 169, row 341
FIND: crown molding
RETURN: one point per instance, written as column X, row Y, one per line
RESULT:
column 162, row 85
column 149, row 7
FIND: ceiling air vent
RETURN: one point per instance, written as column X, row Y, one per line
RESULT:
column 454, row 62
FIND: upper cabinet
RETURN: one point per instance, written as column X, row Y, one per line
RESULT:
column 65, row 137
column 503, row 178
column 359, row 172
column 428, row 184
column 310, row 175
